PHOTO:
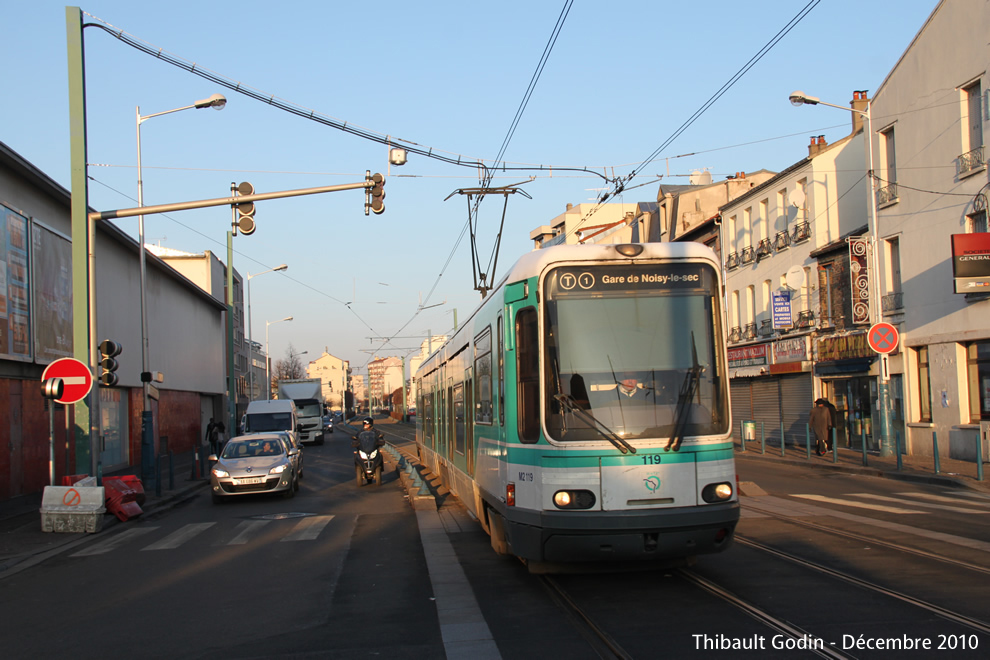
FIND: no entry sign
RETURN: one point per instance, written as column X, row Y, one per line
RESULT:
column 76, row 378
column 882, row 337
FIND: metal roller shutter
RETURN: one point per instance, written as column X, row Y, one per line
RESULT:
column 796, row 392
column 766, row 408
column 742, row 404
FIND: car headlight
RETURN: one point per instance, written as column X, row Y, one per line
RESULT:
column 217, row 472
column 278, row 469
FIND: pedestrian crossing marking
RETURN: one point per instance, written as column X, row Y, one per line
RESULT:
column 308, row 529
column 177, row 538
column 113, row 542
column 955, row 509
column 246, row 530
column 859, row 505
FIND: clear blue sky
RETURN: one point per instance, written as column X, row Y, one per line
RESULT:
column 621, row 79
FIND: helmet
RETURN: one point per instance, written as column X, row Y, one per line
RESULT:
column 369, row 421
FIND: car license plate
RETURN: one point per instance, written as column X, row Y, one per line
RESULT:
column 247, row 480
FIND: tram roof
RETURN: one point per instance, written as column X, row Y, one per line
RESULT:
column 535, row 262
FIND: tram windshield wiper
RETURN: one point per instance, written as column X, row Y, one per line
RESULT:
column 602, row 430
column 692, row 379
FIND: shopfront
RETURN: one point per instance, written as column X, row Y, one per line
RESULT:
column 844, row 365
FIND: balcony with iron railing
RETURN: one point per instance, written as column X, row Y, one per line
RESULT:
column 749, row 332
column 782, row 241
column 970, row 162
column 735, row 335
column 805, row 319
column 763, row 249
column 801, row 232
column 732, row 261
column 887, row 194
column 748, row 255
column 892, row 302
column 766, row 328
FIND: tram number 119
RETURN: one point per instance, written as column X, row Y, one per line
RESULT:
column 652, row 459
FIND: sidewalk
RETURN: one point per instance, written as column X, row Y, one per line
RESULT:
column 23, row 544
column 918, row 469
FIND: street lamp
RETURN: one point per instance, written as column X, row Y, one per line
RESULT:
column 268, row 359
column 799, row 98
column 250, row 342
column 147, row 433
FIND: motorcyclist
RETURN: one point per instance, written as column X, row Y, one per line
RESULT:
column 369, row 438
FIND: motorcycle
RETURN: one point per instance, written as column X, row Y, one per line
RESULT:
column 368, row 460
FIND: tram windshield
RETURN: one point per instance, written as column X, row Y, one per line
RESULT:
column 630, row 348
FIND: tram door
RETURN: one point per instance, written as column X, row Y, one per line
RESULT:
column 469, row 412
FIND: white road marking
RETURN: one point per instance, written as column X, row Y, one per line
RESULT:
column 942, row 507
column 308, row 529
column 246, row 530
column 858, row 505
column 113, row 542
column 177, row 538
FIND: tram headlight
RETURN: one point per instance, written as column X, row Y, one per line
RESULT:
column 574, row 499
column 629, row 249
column 717, row 492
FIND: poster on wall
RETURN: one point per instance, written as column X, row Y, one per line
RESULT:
column 51, row 268
column 15, row 311
column 971, row 262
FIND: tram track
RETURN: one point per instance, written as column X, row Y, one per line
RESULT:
column 870, row 539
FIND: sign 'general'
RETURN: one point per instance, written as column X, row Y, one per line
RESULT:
column 971, row 262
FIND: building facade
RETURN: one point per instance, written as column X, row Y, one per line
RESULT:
column 334, row 372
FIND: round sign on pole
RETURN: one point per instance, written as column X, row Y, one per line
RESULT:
column 77, row 380
column 882, row 337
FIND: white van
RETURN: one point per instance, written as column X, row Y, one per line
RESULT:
column 268, row 416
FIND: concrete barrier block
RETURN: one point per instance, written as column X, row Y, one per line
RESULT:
column 72, row 509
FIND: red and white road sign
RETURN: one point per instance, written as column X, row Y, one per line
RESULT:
column 882, row 337
column 76, row 377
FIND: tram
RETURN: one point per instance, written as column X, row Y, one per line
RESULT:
column 582, row 412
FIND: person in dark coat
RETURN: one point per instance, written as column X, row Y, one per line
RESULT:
column 821, row 424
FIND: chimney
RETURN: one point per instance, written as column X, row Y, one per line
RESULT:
column 817, row 145
column 859, row 102
column 569, row 206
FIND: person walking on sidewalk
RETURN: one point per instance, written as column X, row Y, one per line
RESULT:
column 821, row 423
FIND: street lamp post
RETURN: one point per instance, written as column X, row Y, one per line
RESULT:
column 268, row 359
column 147, row 433
column 799, row 98
column 250, row 342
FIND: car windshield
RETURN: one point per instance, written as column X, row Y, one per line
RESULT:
column 264, row 422
column 622, row 342
column 252, row 448
column 309, row 409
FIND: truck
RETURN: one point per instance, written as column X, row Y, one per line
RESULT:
column 307, row 394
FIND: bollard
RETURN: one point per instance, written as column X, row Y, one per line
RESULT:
column 862, row 441
column 979, row 457
column 897, row 448
column 742, row 435
column 835, row 447
column 763, row 439
column 807, row 439
column 782, row 441
column 424, row 488
column 938, row 467
column 192, row 473
column 158, row 476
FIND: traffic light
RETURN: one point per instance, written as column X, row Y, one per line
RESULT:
column 245, row 212
column 108, row 365
column 377, row 203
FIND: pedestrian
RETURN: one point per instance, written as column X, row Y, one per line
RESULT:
column 208, row 439
column 221, row 437
column 821, row 423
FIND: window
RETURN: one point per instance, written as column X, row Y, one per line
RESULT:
column 976, row 222
column 748, row 229
column 735, row 310
column 483, row 372
column 978, row 368
column 767, row 285
column 782, row 209
column 500, row 348
column 733, row 235
column 750, row 304
column 971, row 159
column 825, row 281
column 887, row 185
column 457, row 401
column 924, row 387
column 765, row 211
column 528, row 375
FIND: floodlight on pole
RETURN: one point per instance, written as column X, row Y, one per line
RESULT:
column 268, row 359
column 147, row 432
column 799, row 98
column 250, row 342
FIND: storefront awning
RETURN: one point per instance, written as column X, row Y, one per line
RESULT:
column 834, row 367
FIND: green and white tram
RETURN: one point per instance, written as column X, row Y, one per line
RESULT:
column 582, row 412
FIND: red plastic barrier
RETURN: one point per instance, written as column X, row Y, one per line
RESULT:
column 135, row 484
column 73, row 479
column 120, row 498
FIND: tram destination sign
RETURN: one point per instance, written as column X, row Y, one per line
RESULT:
column 590, row 280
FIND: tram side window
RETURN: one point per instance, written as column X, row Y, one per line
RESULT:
column 458, row 401
column 500, row 348
column 483, row 370
column 527, row 375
